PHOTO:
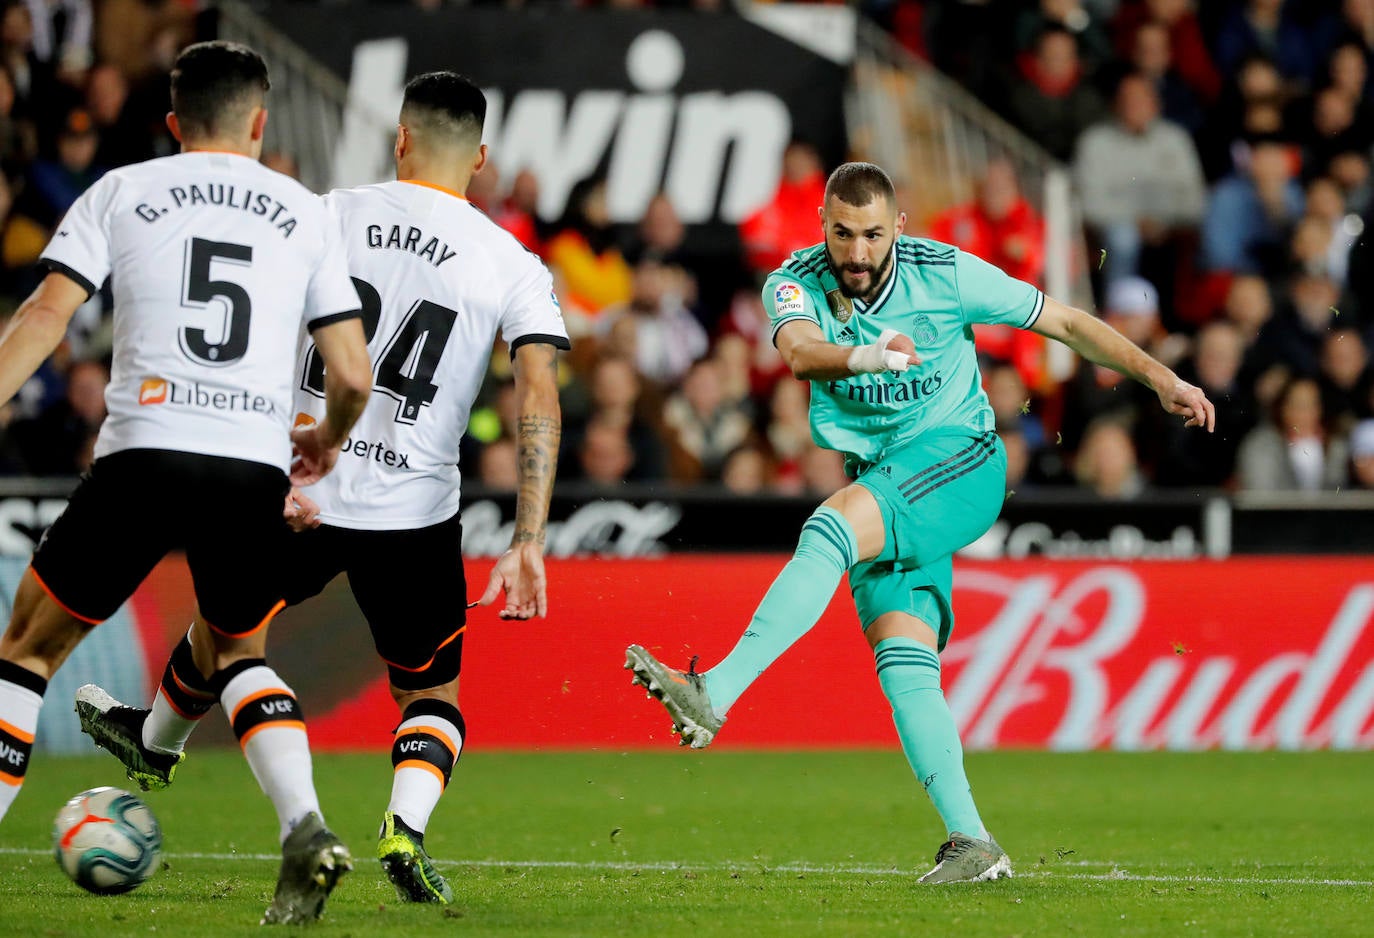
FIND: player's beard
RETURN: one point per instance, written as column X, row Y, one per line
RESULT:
column 878, row 274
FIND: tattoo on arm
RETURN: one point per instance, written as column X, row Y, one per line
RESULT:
column 537, row 436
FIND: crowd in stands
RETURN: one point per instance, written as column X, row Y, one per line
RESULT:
column 1221, row 152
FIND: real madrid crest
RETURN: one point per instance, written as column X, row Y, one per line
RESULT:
column 923, row 330
column 840, row 305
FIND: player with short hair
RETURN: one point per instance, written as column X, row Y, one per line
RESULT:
column 438, row 281
column 879, row 323
column 216, row 263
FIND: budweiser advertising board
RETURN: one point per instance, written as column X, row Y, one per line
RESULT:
column 1241, row 653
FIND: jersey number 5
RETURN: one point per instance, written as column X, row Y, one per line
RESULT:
column 405, row 368
column 199, row 292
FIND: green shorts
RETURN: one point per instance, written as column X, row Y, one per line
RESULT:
column 937, row 494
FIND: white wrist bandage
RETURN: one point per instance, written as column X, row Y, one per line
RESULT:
column 871, row 359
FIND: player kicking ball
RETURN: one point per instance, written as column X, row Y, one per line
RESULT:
column 878, row 322
column 439, row 281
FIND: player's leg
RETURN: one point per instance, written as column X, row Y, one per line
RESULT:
column 237, row 567
column 150, row 742
column 418, row 631
column 938, row 497
column 40, row 636
column 846, row 529
column 73, row 584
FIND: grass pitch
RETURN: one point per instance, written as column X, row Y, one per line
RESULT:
column 751, row 843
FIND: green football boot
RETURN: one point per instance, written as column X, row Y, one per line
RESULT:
column 313, row 861
column 964, row 859
column 682, row 693
column 407, row 865
column 119, row 728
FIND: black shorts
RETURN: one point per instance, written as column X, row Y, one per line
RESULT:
column 409, row 585
column 136, row 505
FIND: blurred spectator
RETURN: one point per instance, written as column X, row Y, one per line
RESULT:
column 605, row 455
column 1106, row 462
column 1305, row 314
column 1266, row 27
column 1010, row 401
column 745, row 471
column 32, row 79
column 1140, row 179
column 1332, row 127
column 50, row 189
column 664, row 336
column 1051, row 100
column 584, row 248
column 1345, row 378
column 121, row 139
column 1001, row 227
column 498, row 466
column 1251, row 211
column 712, row 261
column 616, row 399
column 1252, row 107
column 1151, row 58
column 18, row 137
column 1018, row 457
column 788, row 221
column 1132, row 308
column 1325, row 204
column 1191, row 459
column 1291, row 451
column 703, row 424
column 59, row 440
column 1188, row 48
column 789, row 427
column 517, row 212
column 1077, row 18
column 62, row 36
column 822, row 472
column 747, row 318
column 1362, row 455
column 1350, row 170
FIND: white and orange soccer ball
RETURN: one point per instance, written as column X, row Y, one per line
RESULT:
column 107, row 840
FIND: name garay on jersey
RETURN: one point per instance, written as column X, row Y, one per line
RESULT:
column 225, row 195
column 408, row 238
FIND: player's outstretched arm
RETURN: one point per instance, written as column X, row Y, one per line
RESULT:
column 520, row 571
column 347, row 384
column 812, row 358
column 36, row 329
column 1100, row 343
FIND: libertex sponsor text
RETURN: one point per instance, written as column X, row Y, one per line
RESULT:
column 163, row 391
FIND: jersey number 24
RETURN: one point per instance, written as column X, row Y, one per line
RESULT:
column 405, row 368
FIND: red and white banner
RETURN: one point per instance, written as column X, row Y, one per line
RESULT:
column 1241, row 653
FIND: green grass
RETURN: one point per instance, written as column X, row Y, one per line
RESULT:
column 734, row 843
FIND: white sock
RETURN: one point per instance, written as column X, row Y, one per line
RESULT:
column 19, row 708
column 424, row 751
column 267, row 721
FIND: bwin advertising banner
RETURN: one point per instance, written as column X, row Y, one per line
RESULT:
column 698, row 106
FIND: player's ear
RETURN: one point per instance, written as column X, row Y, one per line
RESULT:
column 402, row 142
column 901, row 223
column 480, row 159
column 259, row 125
column 174, row 126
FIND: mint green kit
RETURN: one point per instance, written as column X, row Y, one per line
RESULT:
column 921, row 441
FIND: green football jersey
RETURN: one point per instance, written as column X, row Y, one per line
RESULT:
column 934, row 294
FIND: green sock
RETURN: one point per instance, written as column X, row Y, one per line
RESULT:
column 909, row 673
column 794, row 602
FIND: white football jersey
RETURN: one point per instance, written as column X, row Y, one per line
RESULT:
column 438, row 280
column 215, row 262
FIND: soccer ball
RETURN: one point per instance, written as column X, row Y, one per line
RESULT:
column 106, row 840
